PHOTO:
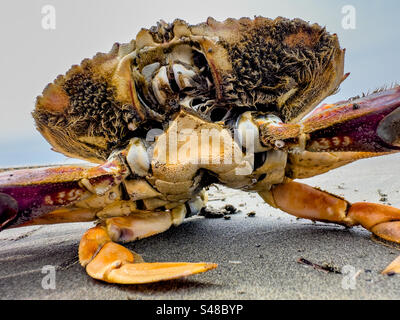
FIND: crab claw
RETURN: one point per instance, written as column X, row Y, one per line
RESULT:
column 389, row 128
column 367, row 124
column 8, row 209
column 111, row 262
column 370, row 123
column 116, row 264
column 26, row 194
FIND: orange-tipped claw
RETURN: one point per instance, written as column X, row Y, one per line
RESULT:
column 156, row 271
column 111, row 262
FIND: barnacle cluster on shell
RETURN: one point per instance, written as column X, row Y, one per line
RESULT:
column 179, row 77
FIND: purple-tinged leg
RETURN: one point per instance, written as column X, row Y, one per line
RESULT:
column 367, row 124
column 26, row 194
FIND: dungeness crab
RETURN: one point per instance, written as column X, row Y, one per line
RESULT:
column 185, row 106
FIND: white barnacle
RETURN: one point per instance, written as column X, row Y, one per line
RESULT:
column 279, row 144
column 159, row 83
column 137, row 157
column 149, row 70
column 183, row 76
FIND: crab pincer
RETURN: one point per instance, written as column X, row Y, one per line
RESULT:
column 367, row 124
column 8, row 209
column 29, row 194
column 111, row 262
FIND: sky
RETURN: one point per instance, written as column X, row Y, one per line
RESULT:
column 32, row 56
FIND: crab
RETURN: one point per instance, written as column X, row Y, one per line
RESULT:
column 182, row 107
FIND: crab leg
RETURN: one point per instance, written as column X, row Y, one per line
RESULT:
column 307, row 202
column 111, row 262
column 367, row 124
column 28, row 194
